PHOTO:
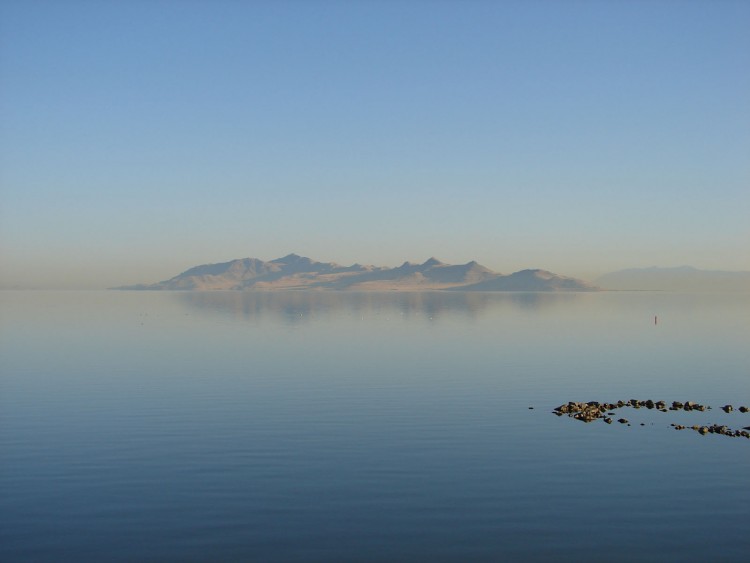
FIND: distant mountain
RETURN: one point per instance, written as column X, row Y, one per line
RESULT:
column 682, row 278
column 297, row 272
column 245, row 273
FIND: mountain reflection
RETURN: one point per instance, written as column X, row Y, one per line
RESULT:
column 301, row 306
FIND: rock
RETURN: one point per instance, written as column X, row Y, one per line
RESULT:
column 727, row 408
column 622, row 420
column 703, row 430
column 743, row 409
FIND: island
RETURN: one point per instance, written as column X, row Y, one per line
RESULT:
column 294, row 272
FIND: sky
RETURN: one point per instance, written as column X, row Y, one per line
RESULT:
column 140, row 138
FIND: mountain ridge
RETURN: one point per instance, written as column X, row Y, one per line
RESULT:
column 294, row 272
column 678, row 278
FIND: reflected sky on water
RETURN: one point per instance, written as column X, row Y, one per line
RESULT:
column 309, row 425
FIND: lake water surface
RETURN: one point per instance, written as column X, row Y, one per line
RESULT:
column 228, row 426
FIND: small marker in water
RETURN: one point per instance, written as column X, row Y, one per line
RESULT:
column 656, row 319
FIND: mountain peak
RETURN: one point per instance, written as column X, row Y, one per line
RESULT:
column 290, row 258
column 432, row 262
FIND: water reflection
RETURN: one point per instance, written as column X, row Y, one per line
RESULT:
column 301, row 306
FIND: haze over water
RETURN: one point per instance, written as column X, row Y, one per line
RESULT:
column 140, row 139
column 343, row 426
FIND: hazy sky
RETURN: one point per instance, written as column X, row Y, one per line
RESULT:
column 140, row 138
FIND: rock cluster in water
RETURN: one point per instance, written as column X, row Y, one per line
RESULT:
column 714, row 429
column 593, row 410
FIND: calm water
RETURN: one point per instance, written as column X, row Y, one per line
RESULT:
column 142, row 426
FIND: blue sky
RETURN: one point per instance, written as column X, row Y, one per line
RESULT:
column 141, row 138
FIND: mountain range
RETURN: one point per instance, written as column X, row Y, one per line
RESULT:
column 293, row 272
column 681, row 278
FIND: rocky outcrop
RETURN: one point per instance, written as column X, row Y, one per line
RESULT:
column 594, row 410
